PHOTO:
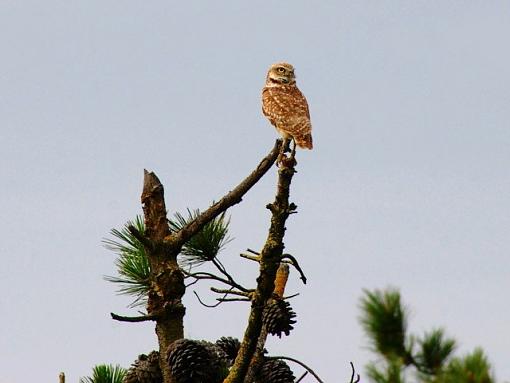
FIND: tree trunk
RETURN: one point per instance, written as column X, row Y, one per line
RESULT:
column 167, row 282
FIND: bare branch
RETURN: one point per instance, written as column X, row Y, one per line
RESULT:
column 223, row 270
column 192, row 283
column 231, row 198
column 354, row 375
column 290, row 296
column 142, row 318
column 302, row 377
column 230, row 291
column 250, row 257
column 233, row 300
column 294, row 262
column 205, row 275
column 205, row 304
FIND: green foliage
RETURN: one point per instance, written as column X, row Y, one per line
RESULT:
column 472, row 368
column 207, row 243
column 104, row 373
column 434, row 351
column 132, row 263
column 385, row 321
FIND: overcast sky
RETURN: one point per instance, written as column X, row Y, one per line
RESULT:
column 408, row 184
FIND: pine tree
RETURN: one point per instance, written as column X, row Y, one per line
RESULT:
column 429, row 358
column 155, row 257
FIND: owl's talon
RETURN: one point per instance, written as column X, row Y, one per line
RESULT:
column 288, row 162
column 280, row 158
column 286, row 146
column 293, row 151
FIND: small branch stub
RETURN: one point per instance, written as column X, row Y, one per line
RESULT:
column 143, row 318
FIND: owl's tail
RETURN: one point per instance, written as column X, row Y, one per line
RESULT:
column 304, row 142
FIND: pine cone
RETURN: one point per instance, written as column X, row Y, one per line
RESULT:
column 230, row 346
column 278, row 317
column 145, row 370
column 275, row 371
column 219, row 358
column 196, row 362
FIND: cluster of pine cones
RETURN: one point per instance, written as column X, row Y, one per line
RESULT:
column 194, row 361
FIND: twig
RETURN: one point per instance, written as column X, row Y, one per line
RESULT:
column 302, row 377
column 233, row 299
column 206, row 275
column 290, row 296
column 294, row 262
column 230, row 291
column 142, row 318
column 300, row 363
column 223, row 270
column 250, row 257
column 192, row 283
column 354, row 374
column 205, row 304
column 231, row 198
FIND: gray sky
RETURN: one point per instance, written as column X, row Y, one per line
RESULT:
column 408, row 184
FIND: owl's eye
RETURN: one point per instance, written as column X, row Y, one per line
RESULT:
column 281, row 70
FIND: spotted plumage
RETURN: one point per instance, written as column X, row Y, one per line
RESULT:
column 285, row 106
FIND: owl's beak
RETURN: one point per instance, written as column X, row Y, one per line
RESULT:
column 284, row 80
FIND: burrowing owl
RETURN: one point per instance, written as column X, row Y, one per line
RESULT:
column 285, row 106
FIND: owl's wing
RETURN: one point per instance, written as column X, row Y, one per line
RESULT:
column 283, row 104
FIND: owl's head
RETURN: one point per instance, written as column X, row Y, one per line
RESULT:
column 281, row 73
